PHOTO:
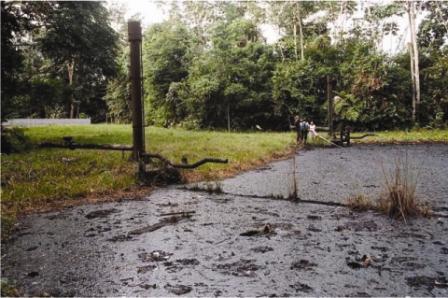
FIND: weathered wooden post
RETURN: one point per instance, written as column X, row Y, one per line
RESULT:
column 138, row 129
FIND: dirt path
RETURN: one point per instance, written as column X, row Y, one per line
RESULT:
column 234, row 245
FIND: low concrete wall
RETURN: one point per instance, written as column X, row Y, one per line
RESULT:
column 41, row 122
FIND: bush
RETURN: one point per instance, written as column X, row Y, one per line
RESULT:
column 14, row 140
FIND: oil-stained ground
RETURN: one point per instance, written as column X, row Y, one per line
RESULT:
column 235, row 245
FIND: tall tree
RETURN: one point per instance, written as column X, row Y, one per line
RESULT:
column 167, row 54
column 413, row 51
column 18, row 21
column 81, row 43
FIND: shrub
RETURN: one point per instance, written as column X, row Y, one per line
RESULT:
column 14, row 140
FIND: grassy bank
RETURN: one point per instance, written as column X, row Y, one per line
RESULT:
column 412, row 136
column 47, row 177
column 416, row 136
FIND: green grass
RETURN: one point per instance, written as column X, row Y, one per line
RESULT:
column 37, row 178
column 390, row 137
column 412, row 136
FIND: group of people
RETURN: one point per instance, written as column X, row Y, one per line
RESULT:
column 303, row 128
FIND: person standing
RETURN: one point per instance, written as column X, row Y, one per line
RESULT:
column 313, row 129
column 304, row 127
column 297, row 128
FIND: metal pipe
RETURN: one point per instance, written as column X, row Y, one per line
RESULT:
column 86, row 146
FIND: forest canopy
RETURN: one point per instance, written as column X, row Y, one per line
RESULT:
column 208, row 65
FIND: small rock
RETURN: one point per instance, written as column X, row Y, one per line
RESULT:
column 148, row 286
column 33, row 274
column 314, row 217
column 354, row 265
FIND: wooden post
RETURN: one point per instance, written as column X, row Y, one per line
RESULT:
column 138, row 129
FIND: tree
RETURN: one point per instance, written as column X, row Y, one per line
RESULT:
column 118, row 90
column 290, row 16
column 432, row 36
column 18, row 21
column 231, row 81
column 167, row 54
column 80, row 42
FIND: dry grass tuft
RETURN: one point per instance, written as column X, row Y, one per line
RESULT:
column 399, row 199
column 360, row 203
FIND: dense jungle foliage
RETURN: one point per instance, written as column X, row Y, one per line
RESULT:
column 209, row 65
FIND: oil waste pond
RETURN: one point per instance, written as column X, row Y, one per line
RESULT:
column 236, row 243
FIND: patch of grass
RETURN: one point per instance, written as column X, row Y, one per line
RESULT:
column 318, row 141
column 35, row 179
column 7, row 289
column 360, row 203
column 400, row 136
column 399, row 199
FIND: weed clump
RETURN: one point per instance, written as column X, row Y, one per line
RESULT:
column 14, row 140
column 360, row 203
column 214, row 188
column 398, row 199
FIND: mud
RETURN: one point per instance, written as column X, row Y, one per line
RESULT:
column 307, row 249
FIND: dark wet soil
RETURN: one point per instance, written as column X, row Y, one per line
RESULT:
column 336, row 174
column 297, row 249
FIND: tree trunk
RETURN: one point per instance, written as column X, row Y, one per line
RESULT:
column 70, row 71
column 330, row 108
column 414, row 56
column 295, row 37
column 281, row 52
column 411, row 55
column 228, row 117
column 416, row 63
column 299, row 21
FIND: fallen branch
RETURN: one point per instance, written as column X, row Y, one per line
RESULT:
column 162, row 223
column 363, row 136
